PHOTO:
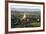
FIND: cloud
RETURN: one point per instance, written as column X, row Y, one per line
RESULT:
column 25, row 8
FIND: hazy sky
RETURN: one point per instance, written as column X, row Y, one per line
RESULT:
column 22, row 8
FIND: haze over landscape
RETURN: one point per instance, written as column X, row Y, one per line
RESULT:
column 17, row 9
column 25, row 16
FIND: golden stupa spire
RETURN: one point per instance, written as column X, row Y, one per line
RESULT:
column 24, row 16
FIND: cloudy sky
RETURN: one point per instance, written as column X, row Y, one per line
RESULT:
column 23, row 8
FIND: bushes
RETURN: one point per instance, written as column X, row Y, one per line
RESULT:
column 16, row 22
